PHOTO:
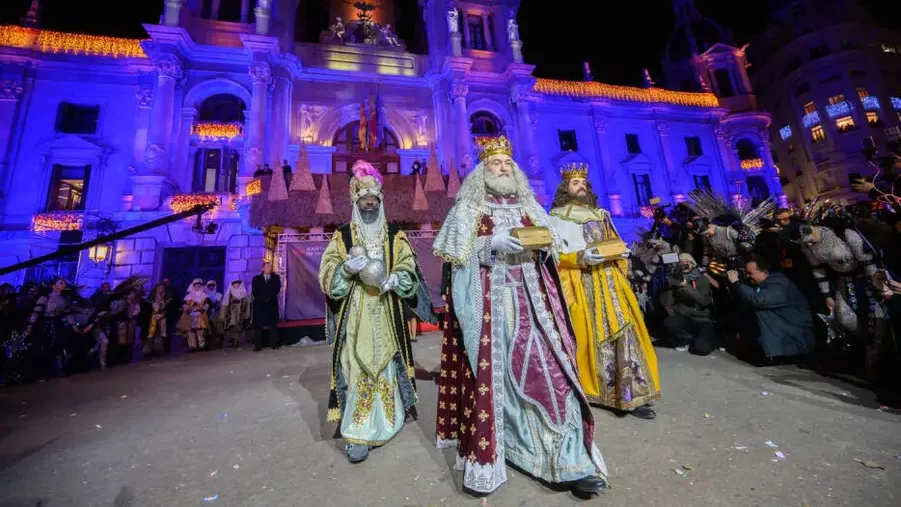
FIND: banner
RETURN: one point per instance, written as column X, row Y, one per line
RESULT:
column 304, row 299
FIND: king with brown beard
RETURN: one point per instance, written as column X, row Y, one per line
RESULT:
column 616, row 360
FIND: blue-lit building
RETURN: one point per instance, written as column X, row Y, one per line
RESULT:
column 101, row 133
column 832, row 80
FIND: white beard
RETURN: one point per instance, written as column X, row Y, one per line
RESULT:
column 501, row 185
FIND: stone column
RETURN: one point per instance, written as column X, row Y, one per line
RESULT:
column 172, row 12
column 10, row 93
column 606, row 173
column 527, row 123
column 169, row 71
column 183, row 172
column 731, row 167
column 245, row 10
column 281, row 119
column 769, row 166
column 671, row 174
column 256, row 125
column 459, row 91
column 262, row 16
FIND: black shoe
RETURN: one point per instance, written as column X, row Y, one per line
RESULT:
column 644, row 412
column 590, row 485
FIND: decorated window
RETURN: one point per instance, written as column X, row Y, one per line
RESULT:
column 476, row 32
column 643, row 192
column 693, row 145
column 567, row 140
column 818, row 134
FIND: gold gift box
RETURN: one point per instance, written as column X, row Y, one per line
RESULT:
column 610, row 248
column 533, row 238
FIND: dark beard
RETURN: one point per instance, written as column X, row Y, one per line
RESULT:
column 369, row 215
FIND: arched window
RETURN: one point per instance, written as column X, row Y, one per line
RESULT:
column 348, row 149
column 746, row 150
column 222, row 108
column 485, row 124
column 216, row 159
column 228, row 10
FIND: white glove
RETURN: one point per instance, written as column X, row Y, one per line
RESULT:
column 503, row 243
column 354, row 265
column 390, row 283
column 626, row 254
column 592, row 257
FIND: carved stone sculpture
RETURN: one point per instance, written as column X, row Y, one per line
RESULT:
column 453, row 25
column 512, row 30
column 389, row 36
column 260, row 72
column 337, row 29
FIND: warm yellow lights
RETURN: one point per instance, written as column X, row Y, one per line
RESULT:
column 98, row 253
column 184, row 202
column 211, row 130
column 591, row 89
column 47, row 41
column 751, row 164
column 254, row 187
column 57, row 221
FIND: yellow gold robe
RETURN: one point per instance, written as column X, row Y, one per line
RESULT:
column 616, row 360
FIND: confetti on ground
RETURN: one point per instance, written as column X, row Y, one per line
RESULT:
column 286, row 376
column 73, row 414
column 706, row 416
column 123, row 396
column 741, row 448
column 688, row 467
column 779, row 454
column 764, row 393
column 869, row 464
column 99, row 427
column 224, row 416
column 678, row 472
column 236, row 467
column 769, row 443
column 211, row 498
column 213, row 473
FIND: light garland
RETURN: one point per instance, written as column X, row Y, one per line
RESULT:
column 57, row 221
column 647, row 211
column 870, row 103
column 184, row 202
column 254, row 187
column 785, row 132
column 751, row 164
column 591, row 89
column 811, row 119
column 47, row 41
column 213, row 130
column 842, row 108
column 896, row 103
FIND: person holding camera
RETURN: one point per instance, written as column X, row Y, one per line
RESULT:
column 688, row 301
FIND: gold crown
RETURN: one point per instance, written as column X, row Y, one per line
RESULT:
column 493, row 146
column 574, row 170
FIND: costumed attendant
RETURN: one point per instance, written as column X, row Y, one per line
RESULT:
column 508, row 387
column 194, row 321
column 158, row 332
column 617, row 363
column 235, row 313
column 368, row 273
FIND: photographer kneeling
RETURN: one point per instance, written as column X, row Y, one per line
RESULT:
column 688, row 302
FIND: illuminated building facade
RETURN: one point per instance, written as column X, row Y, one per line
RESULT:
column 102, row 132
column 830, row 77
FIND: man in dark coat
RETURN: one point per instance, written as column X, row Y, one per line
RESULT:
column 265, row 289
column 784, row 319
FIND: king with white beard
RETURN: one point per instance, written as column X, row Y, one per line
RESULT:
column 508, row 386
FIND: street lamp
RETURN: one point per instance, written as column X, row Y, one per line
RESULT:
column 98, row 253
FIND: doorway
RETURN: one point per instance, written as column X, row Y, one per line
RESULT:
column 182, row 265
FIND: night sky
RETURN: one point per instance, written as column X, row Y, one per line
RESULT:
column 617, row 38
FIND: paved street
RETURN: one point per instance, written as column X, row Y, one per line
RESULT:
column 245, row 429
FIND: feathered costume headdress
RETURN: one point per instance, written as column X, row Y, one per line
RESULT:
column 366, row 180
column 718, row 211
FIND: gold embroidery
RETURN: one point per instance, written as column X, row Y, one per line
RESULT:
column 485, row 339
column 472, row 429
column 386, row 390
column 441, row 421
column 453, row 420
column 365, row 388
column 453, row 406
column 483, row 389
column 453, row 390
column 453, row 435
column 441, row 435
column 472, row 457
column 442, row 389
column 444, row 357
column 467, row 374
column 453, row 357
column 441, row 405
column 483, row 444
column 483, row 228
column 483, row 363
column 483, row 415
column 444, row 373
column 463, row 429
column 467, row 412
column 444, row 341
column 453, row 373
column 454, row 342
column 486, row 317
column 487, row 296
